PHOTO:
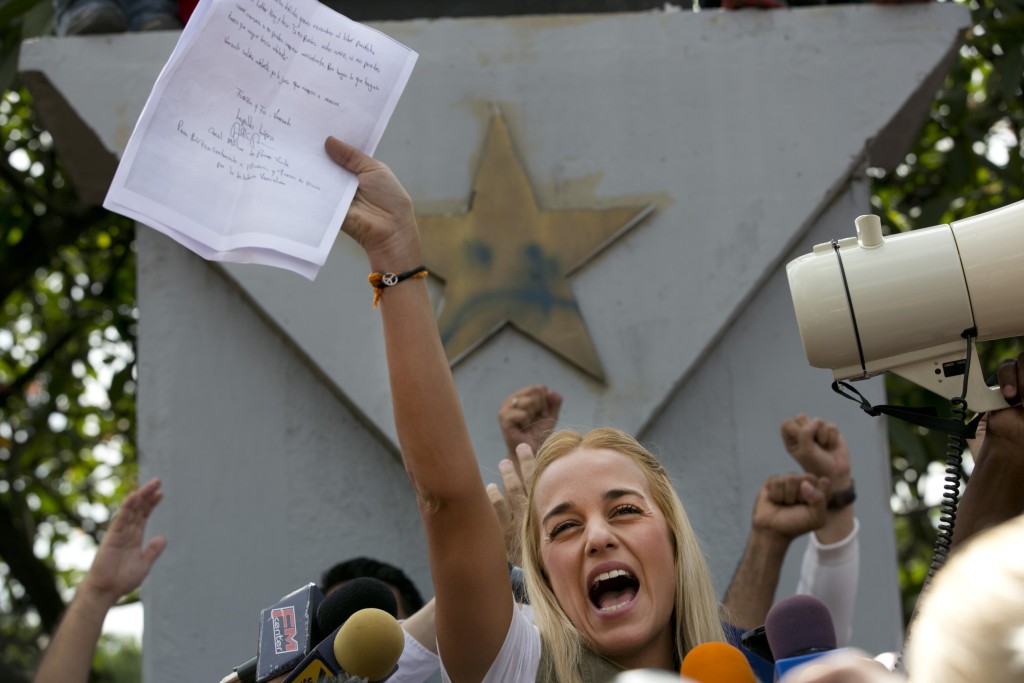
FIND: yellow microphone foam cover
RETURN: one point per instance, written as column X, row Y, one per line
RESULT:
column 717, row 663
column 369, row 644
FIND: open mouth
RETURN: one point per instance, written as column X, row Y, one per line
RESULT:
column 613, row 590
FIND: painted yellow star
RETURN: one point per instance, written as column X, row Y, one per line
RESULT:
column 507, row 261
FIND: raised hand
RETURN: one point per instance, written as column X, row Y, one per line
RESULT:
column 791, row 505
column 993, row 494
column 819, row 447
column 122, row 561
column 120, row 565
column 510, row 502
column 528, row 416
column 1008, row 425
column 381, row 219
column 786, row 506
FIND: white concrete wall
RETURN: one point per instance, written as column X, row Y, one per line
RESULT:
column 263, row 398
column 723, row 427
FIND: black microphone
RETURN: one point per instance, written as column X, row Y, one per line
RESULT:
column 757, row 642
column 351, row 597
column 799, row 628
column 288, row 632
column 364, row 638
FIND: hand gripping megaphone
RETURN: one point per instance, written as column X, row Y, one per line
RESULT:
column 914, row 303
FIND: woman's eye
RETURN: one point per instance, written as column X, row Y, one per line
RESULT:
column 627, row 509
column 559, row 528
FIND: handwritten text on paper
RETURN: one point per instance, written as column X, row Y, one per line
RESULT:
column 271, row 35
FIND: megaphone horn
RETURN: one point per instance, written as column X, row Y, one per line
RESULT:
column 905, row 303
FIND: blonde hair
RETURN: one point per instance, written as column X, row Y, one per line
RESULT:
column 696, row 605
column 970, row 625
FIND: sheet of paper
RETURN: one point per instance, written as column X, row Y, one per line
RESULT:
column 228, row 155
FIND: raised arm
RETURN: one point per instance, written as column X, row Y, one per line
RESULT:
column 120, row 565
column 995, row 492
column 467, row 555
column 821, row 449
column 830, row 569
column 786, row 507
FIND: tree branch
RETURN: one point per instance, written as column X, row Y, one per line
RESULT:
column 32, row 573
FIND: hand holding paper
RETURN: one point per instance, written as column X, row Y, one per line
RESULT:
column 227, row 157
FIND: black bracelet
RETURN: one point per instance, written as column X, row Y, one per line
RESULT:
column 381, row 281
column 841, row 499
column 392, row 279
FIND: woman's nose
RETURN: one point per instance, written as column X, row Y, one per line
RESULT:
column 599, row 538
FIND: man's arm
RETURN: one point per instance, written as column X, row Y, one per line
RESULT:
column 830, row 569
column 995, row 492
column 820, row 449
column 120, row 565
column 786, row 507
column 420, row 625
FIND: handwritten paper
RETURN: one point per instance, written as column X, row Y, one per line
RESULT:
column 228, row 155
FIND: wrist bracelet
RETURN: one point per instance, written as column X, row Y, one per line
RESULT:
column 841, row 499
column 381, row 281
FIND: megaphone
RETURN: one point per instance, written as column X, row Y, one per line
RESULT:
column 914, row 303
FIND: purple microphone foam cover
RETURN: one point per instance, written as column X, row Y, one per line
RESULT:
column 799, row 625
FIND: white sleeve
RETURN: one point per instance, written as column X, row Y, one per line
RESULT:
column 416, row 664
column 830, row 573
column 519, row 658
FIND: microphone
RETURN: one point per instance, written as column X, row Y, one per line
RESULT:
column 287, row 634
column 717, row 663
column 334, row 612
column 288, row 630
column 756, row 641
column 369, row 645
column 365, row 648
column 351, row 597
column 799, row 628
column 294, row 613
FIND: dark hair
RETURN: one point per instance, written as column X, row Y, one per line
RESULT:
column 359, row 567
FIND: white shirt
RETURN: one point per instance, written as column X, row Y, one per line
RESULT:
column 830, row 573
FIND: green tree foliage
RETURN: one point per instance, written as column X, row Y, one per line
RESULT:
column 67, row 364
column 67, row 330
column 118, row 660
column 967, row 160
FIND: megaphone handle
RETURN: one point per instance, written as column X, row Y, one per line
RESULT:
column 981, row 398
column 932, row 375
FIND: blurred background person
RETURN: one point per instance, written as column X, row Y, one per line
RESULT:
column 406, row 593
column 82, row 17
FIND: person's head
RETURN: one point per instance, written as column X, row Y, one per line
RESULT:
column 970, row 624
column 409, row 599
column 611, row 560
